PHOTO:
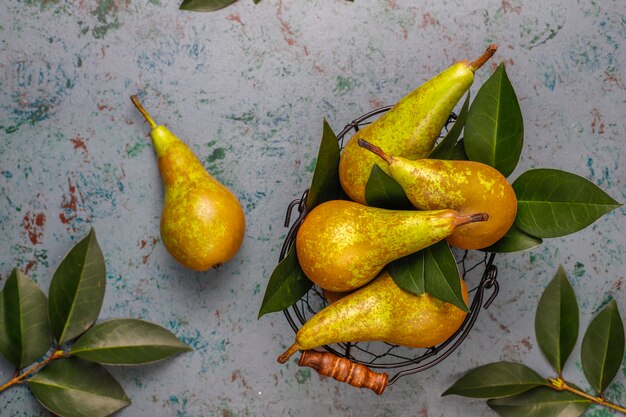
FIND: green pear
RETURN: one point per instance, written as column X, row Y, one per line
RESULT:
column 381, row 311
column 342, row 245
column 410, row 128
column 465, row 186
column 202, row 223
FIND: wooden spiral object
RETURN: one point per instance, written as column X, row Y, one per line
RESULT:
column 344, row 370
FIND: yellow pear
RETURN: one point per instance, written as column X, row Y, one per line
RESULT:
column 202, row 223
column 342, row 245
column 410, row 128
column 465, row 186
column 381, row 311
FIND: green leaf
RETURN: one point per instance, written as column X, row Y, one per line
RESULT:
column 496, row 380
column 286, row 285
column 408, row 272
column 459, row 152
column 556, row 321
column 325, row 184
column 553, row 203
column 602, row 349
column 6, row 348
column 77, row 289
column 127, row 342
column 383, row 191
column 24, row 326
column 205, row 5
column 514, row 240
column 432, row 270
column 446, row 148
column 540, row 402
column 75, row 388
column 494, row 131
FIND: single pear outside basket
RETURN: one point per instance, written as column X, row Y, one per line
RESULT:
column 376, row 365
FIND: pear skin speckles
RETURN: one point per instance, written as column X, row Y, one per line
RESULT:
column 466, row 186
column 202, row 223
column 382, row 311
column 342, row 245
column 411, row 127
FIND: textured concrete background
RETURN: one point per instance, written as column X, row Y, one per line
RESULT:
column 248, row 87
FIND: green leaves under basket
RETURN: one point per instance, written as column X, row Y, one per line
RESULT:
column 553, row 203
column 432, row 270
column 494, row 132
column 288, row 284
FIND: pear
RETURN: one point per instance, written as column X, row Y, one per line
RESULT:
column 465, row 186
column 342, row 245
column 411, row 127
column 381, row 311
column 202, row 223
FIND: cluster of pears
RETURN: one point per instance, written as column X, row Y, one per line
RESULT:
column 202, row 222
column 343, row 246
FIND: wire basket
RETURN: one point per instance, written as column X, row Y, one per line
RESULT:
column 476, row 267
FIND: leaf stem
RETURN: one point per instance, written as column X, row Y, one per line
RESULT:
column 560, row 385
column 20, row 378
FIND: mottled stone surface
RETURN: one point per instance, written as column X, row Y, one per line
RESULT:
column 248, row 87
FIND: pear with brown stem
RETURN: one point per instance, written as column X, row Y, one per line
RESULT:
column 202, row 223
column 342, row 245
column 381, row 311
column 465, row 186
column 411, row 127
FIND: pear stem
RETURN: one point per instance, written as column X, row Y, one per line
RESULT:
column 143, row 111
column 288, row 353
column 491, row 49
column 476, row 217
column 375, row 149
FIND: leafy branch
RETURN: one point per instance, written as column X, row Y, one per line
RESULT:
column 513, row 389
column 560, row 385
column 20, row 377
column 58, row 349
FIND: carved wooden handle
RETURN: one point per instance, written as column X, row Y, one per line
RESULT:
column 344, row 370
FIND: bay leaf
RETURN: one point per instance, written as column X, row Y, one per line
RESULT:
column 77, row 289
column 602, row 349
column 494, row 130
column 553, row 203
column 72, row 387
column 496, row 380
column 286, row 285
column 25, row 333
column 127, row 342
column 556, row 321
